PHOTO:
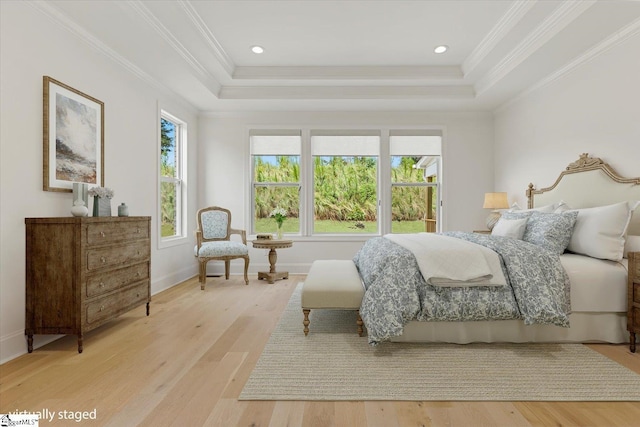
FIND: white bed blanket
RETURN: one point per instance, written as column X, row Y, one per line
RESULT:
column 451, row 262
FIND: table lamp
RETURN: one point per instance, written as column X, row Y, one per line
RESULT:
column 494, row 201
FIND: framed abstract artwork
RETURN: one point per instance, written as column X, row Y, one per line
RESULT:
column 73, row 137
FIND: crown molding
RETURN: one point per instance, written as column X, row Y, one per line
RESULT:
column 210, row 82
column 562, row 16
column 439, row 73
column 61, row 19
column 347, row 92
column 510, row 19
column 218, row 51
column 631, row 30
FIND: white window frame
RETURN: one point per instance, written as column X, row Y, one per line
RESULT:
column 383, row 178
column 433, row 147
column 255, row 184
column 180, row 181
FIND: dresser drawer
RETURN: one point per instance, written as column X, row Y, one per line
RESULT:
column 115, row 279
column 636, row 293
column 103, row 233
column 117, row 255
column 113, row 305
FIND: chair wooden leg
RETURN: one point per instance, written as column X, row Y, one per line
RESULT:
column 246, row 270
column 227, row 266
column 203, row 273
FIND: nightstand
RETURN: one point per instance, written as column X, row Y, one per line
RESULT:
column 482, row 231
column 633, row 298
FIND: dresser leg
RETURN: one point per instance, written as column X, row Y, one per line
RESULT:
column 632, row 342
column 147, row 309
column 80, row 348
column 30, row 343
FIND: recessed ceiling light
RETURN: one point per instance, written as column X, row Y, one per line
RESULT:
column 257, row 49
column 441, row 49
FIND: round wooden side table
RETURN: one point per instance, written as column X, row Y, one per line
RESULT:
column 272, row 275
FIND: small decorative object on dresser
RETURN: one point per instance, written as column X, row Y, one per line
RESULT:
column 123, row 209
column 82, row 272
column 633, row 313
column 101, row 200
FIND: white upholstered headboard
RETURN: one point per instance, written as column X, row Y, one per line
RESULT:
column 586, row 183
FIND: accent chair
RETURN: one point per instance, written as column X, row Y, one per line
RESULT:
column 213, row 241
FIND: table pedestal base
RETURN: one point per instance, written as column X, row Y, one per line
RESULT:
column 272, row 277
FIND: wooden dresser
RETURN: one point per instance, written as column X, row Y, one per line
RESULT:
column 633, row 298
column 82, row 272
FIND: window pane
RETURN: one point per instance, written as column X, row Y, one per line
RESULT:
column 269, row 197
column 168, row 153
column 276, row 168
column 345, row 194
column 413, row 209
column 169, row 211
column 414, row 169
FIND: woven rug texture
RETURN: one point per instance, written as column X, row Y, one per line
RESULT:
column 334, row 363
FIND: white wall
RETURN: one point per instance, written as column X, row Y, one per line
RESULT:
column 32, row 45
column 224, row 162
column 595, row 109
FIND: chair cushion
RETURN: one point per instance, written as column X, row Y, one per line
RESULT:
column 214, row 224
column 222, row 248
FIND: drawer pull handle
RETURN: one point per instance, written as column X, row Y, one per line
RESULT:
column 102, row 234
column 101, row 284
column 103, row 259
column 138, row 231
column 101, row 307
column 138, row 274
column 137, row 295
column 138, row 253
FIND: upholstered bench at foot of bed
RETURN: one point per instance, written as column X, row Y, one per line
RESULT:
column 332, row 285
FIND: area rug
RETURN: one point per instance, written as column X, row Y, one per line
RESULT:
column 333, row 363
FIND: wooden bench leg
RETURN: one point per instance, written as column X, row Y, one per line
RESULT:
column 359, row 322
column 305, row 322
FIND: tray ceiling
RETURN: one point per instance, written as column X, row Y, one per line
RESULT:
column 348, row 55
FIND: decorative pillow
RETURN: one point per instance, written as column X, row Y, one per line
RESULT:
column 513, row 228
column 600, row 232
column 631, row 244
column 550, row 230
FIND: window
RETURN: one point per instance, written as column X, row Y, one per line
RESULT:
column 275, row 169
column 172, row 172
column 345, row 181
column 415, row 164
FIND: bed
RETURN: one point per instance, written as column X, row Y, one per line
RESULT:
column 580, row 294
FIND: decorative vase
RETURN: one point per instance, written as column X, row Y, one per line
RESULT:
column 279, row 231
column 101, row 206
column 79, row 209
column 123, row 209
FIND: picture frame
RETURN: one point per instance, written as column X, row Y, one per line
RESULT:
column 73, row 137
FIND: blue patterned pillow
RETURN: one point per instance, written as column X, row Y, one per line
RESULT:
column 551, row 231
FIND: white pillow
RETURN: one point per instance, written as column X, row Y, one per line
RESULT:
column 562, row 206
column 544, row 209
column 513, row 228
column 631, row 244
column 600, row 232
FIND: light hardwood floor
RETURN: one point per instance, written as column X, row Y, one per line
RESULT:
column 186, row 364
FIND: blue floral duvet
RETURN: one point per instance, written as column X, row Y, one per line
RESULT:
column 396, row 292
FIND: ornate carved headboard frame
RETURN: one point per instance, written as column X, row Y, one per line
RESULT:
column 588, row 182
